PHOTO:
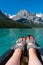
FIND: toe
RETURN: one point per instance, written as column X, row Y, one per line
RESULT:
column 24, row 39
column 27, row 38
column 31, row 38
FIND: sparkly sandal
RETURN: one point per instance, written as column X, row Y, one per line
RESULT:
column 34, row 44
column 19, row 46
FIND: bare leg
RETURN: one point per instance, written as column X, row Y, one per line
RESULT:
column 15, row 59
column 33, row 59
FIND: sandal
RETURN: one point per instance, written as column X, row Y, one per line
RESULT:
column 33, row 41
column 19, row 46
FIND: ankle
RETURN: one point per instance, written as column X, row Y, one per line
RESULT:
column 32, row 51
column 18, row 50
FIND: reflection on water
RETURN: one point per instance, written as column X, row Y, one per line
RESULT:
column 8, row 37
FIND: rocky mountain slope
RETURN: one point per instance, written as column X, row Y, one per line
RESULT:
column 23, row 14
column 22, row 19
column 28, row 18
column 6, row 22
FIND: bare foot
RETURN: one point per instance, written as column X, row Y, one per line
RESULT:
column 31, row 50
column 20, row 44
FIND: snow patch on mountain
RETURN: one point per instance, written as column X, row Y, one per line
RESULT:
column 25, row 16
column 12, row 16
column 39, row 15
column 8, row 15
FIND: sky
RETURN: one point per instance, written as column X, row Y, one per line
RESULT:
column 14, row 6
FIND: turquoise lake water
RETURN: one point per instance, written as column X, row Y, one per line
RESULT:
column 8, row 37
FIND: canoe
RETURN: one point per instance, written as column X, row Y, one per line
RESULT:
column 24, row 59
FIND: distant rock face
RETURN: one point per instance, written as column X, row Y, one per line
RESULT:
column 23, row 16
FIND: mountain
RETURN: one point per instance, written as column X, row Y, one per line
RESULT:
column 6, row 22
column 39, row 15
column 22, row 19
column 23, row 14
column 31, row 17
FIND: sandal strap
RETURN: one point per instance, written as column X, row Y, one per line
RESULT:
column 18, row 42
column 30, row 41
column 31, row 46
column 19, row 46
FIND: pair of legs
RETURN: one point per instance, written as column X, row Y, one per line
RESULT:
column 15, row 59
